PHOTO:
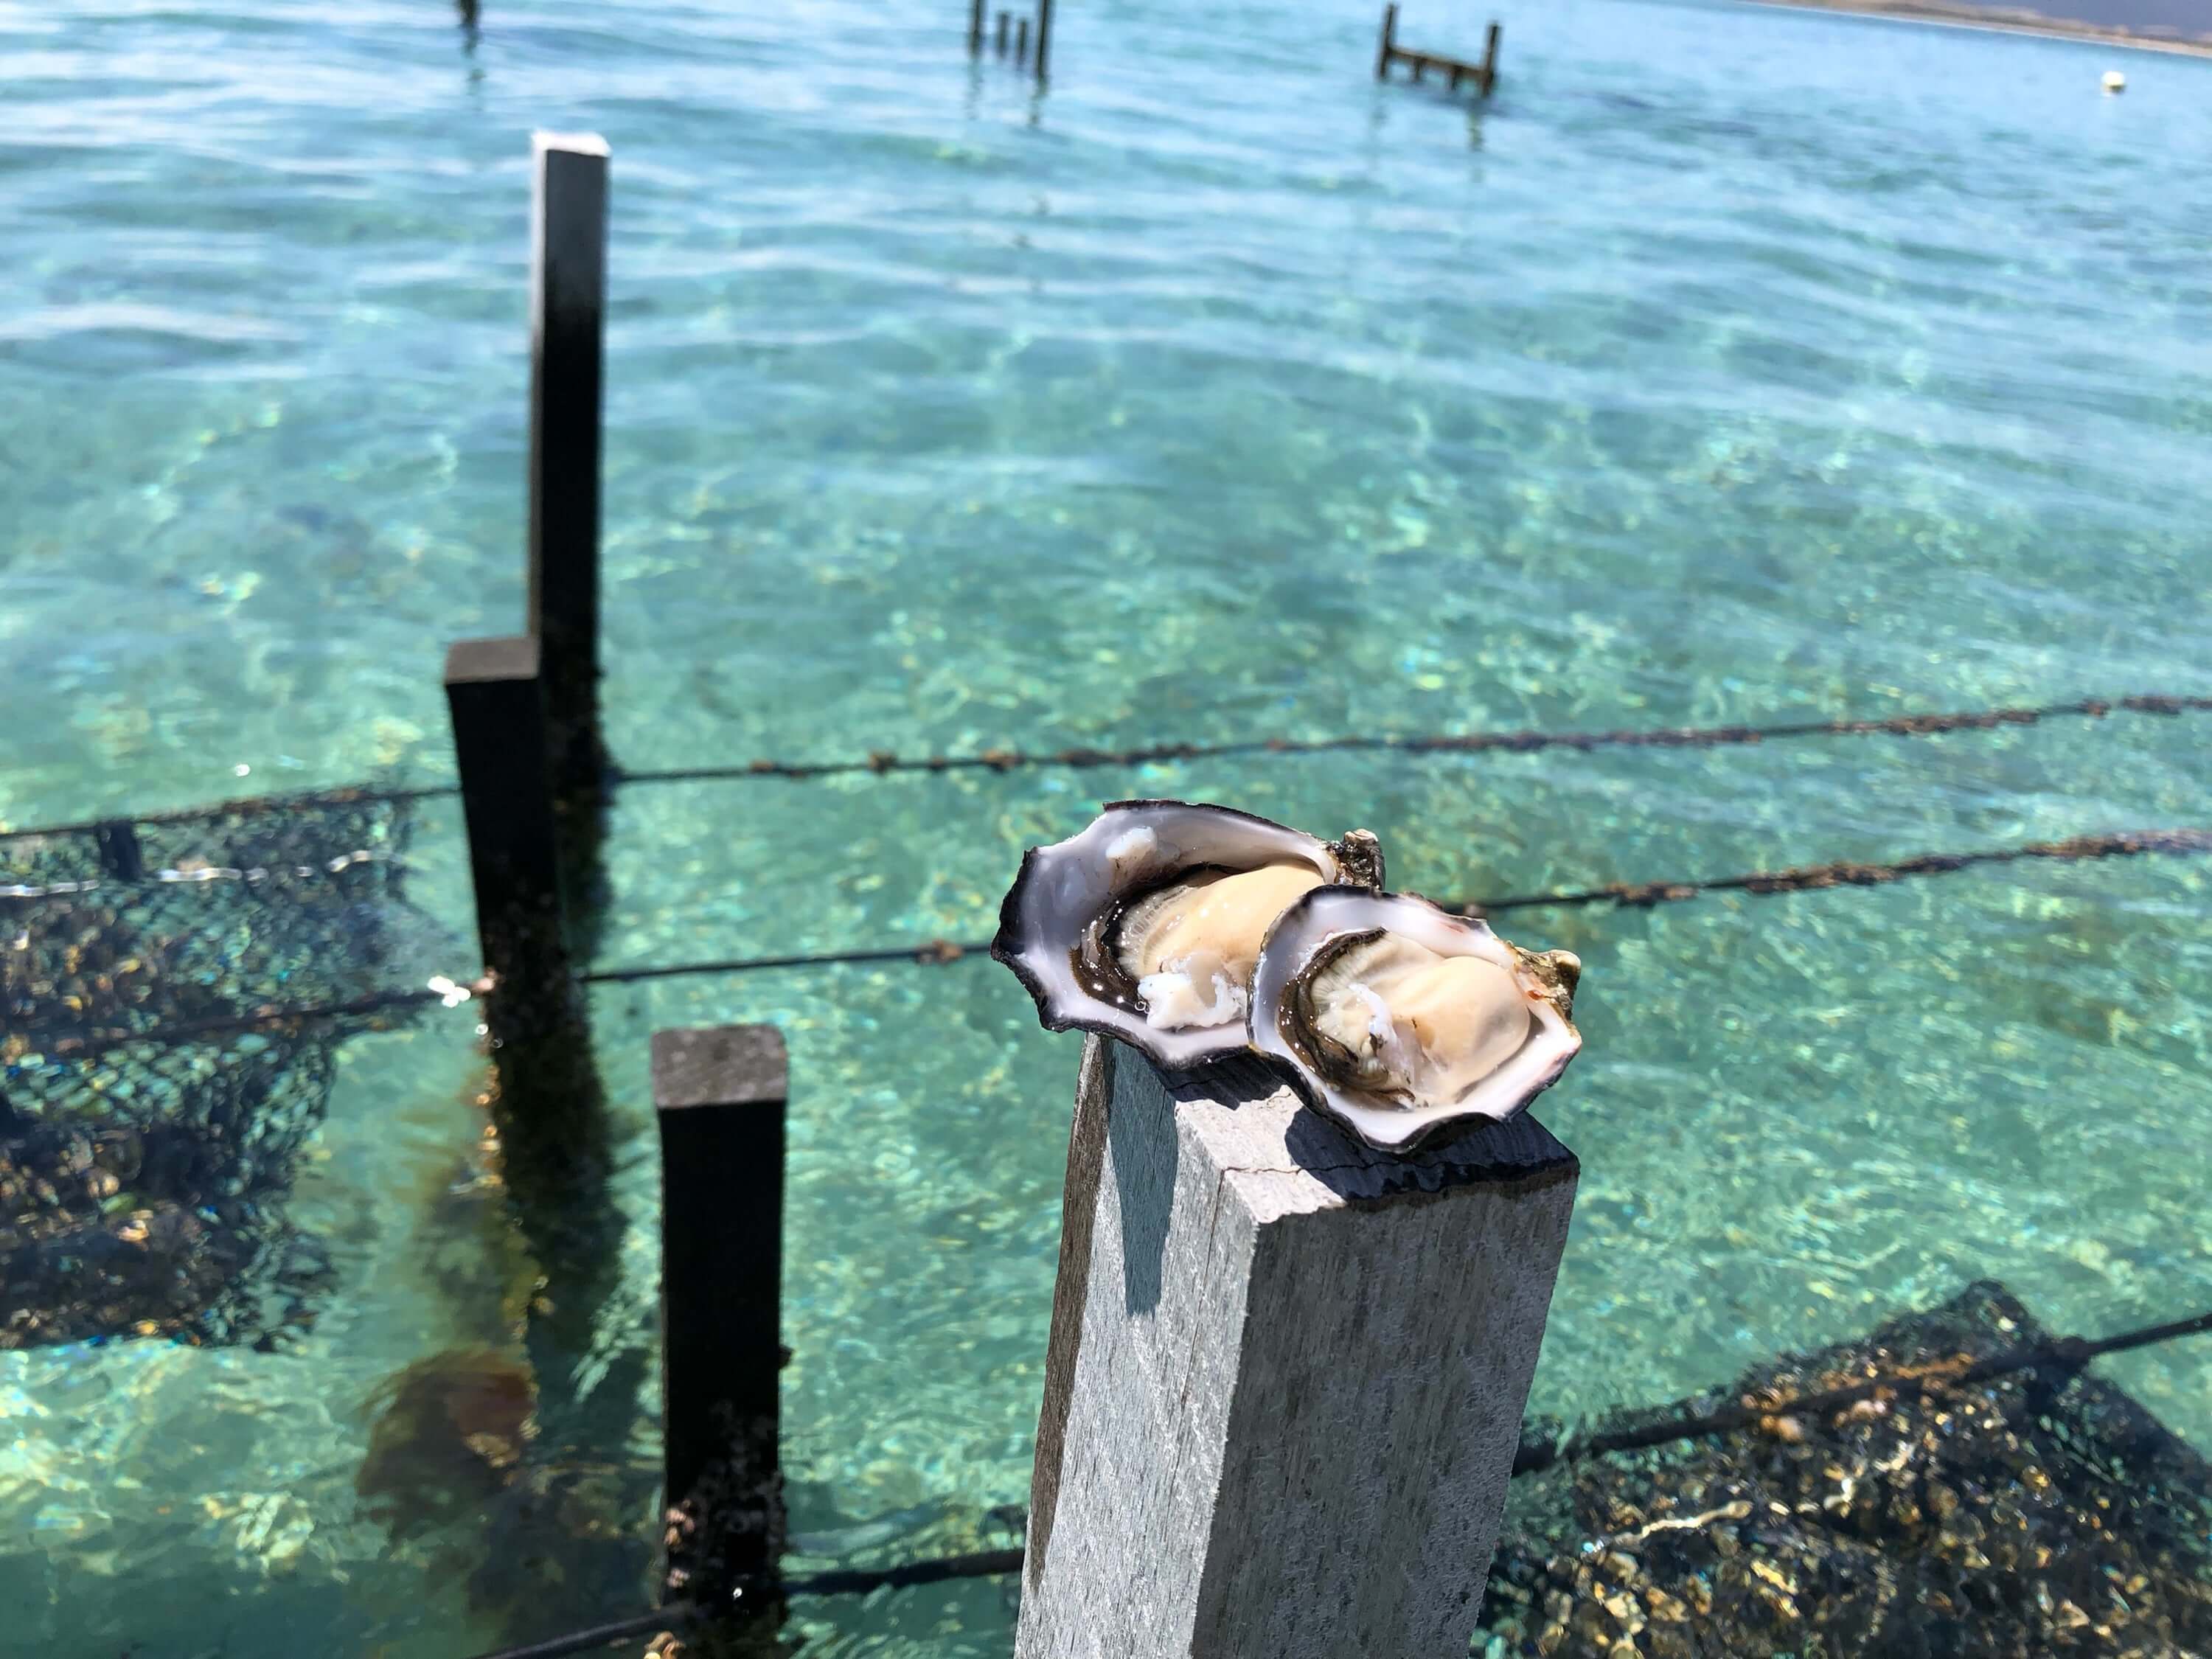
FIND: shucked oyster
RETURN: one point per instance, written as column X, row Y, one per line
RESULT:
column 1397, row 1017
column 1147, row 926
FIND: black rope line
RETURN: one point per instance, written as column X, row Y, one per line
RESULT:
column 1470, row 743
column 1801, row 879
column 1007, row 760
column 1811, row 877
column 862, row 1581
column 936, row 950
column 2067, row 1355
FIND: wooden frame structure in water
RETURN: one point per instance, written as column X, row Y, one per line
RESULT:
column 1484, row 73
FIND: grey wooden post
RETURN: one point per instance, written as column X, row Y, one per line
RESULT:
column 1006, row 22
column 494, row 690
column 1286, row 1374
column 1044, row 38
column 1389, row 42
column 719, row 1095
column 1490, row 60
column 974, row 27
column 1022, row 41
column 567, row 318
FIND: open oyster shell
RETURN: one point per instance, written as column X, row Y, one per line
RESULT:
column 1147, row 926
column 1396, row 1017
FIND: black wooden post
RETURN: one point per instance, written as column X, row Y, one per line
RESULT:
column 1022, row 41
column 1389, row 42
column 1005, row 21
column 1490, row 60
column 719, row 1095
column 120, row 854
column 1044, row 38
column 494, row 689
column 567, row 316
column 974, row 27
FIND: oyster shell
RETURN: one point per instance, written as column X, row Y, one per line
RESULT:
column 1396, row 1017
column 1147, row 926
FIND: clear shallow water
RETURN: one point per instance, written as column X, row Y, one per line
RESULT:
column 1733, row 365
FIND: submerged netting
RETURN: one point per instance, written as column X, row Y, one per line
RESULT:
column 2035, row 1513
column 143, row 1178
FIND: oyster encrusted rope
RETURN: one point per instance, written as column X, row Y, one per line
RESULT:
column 1468, row 743
column 2130, row 844
column 2127, row 843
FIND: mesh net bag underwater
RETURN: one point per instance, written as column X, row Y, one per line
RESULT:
column 151, row 1113
column 2037, row 1513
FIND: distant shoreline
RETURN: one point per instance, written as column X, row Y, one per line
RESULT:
column 2006, row 21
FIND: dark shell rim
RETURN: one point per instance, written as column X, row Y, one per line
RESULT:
column 1005, row 945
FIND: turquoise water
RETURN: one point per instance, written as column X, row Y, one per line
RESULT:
column 1732, row 364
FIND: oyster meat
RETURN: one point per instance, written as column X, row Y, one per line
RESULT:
column 1396, row 1017
column 1148, row 925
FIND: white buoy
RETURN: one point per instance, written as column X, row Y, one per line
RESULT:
column 2115, row 82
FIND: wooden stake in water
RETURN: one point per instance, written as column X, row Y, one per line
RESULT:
column 568, row 320
column 719, row 1095
column 1006, row 22
column 1044, row 38
column 1022, row 41
column 1286, row 1374
column 974, row 27
column 496, row 697
column 1389, row 42
column 1490, row 60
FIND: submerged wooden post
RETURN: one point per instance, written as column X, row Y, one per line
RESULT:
column 1490, row 60
column 1044, row 38
column 567, row 320
column 495, row 692
column 1285, row 1379
column 121, row 857
column 1022, row 41
column 1006, row 22
column 1389, row 42
column 974, row 27
column 719, row 1096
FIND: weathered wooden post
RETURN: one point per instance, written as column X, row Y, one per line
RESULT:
column 1006, row 22
column 1044, row 38
column 974, row 27
column 1021, row 40
column 552, row 1132
column 719, row 1095
column 1389, row 42
column 1490, row 60
column 1286, row 1374
column 567, row 321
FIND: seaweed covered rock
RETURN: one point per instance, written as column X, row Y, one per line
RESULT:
column 151, row 1117
column 2038, row 1513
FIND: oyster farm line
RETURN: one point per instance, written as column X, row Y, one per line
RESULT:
column 1721, row 503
